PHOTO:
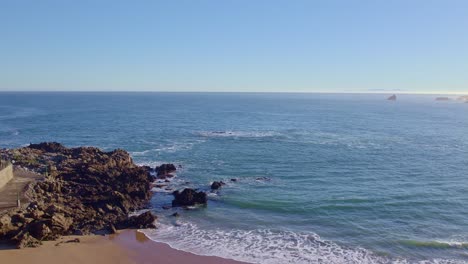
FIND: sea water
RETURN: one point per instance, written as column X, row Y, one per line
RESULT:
column 321, row 178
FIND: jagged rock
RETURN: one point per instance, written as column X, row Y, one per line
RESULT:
column 25, row 240
column 392, row 98
column 188, row 197
column 61, row 223
column 233, row 180
column 48, row 147
column 40, row 230
column 144, row 220
column 216, row 185
column 165, row 170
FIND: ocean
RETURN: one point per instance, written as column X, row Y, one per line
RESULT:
column 321, row 178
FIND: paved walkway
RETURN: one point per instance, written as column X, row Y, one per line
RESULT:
column 8, row 194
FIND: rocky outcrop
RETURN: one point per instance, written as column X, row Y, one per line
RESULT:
column 392, row 98
column 85, row 190
column 188, row 197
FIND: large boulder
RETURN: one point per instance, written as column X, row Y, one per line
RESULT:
column 165, row 169
column 188, row 197
column 216, row 185
column 144, row 220
column 40, row 230
column 24, row 240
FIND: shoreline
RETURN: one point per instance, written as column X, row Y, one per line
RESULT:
column 126, row 247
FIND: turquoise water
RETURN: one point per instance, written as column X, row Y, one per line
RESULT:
column 352, row 178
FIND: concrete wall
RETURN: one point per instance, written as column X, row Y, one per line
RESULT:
column 6, row 174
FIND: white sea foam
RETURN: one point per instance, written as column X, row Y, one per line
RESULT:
column 259, row 246
column 267, row 246
column 238, row 134
column 169, row 148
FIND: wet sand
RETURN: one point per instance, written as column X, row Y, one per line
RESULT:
column 129, row 246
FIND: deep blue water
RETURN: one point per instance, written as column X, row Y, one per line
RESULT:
column 353, row 178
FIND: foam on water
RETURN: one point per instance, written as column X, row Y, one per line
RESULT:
column 259, row 246
column 238, row 134
column 267, row 246
column 437, row 244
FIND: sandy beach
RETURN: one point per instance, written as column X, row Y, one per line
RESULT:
column 129, row 246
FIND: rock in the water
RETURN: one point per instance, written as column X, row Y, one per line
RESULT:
column 442, row 99
column 233, row 180
column 216, row 185
column 188, row 197
column 165, row 170
column 392, row 98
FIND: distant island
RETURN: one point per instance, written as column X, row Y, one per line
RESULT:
column 442, row 99
column 392, row 98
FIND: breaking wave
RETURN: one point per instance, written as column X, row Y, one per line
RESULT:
column 259, row 246
column 267, row 246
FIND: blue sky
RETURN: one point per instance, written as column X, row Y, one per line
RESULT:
column 234, row 45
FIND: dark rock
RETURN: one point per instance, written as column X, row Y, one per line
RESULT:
column 40, row 230
column 233, row 180
column 25, row 240
column 165, row 170
column 216, row 185
column 166, row 207
column 48, row 147
column 392, row 98
column 76, row 240
column 112, row 229
column 175, row 214
column 144, row 220
column 188, row 197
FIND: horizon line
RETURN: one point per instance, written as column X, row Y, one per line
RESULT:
column 262, row 92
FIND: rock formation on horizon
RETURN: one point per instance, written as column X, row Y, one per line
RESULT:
column 392, row 98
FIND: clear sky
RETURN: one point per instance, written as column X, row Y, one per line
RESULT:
column 234, row 45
